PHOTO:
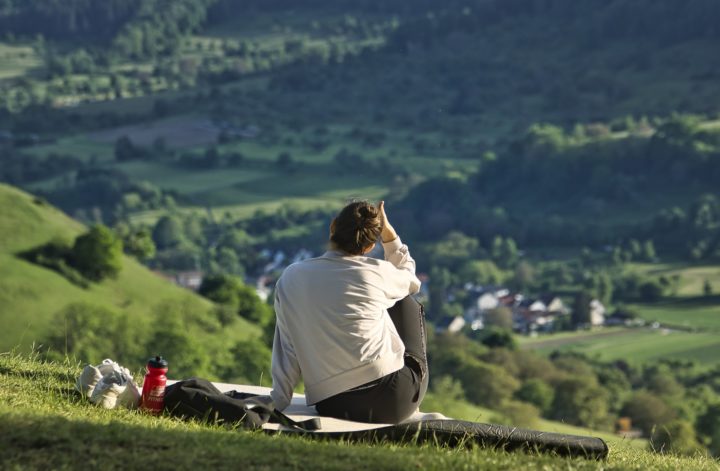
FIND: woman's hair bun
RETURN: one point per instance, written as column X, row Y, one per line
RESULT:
column 356, row 227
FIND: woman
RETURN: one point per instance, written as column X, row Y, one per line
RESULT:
column 346, row 323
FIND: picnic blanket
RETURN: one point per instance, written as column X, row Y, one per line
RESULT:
column 431, row 427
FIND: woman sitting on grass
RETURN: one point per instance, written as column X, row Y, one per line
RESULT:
column 346, row 323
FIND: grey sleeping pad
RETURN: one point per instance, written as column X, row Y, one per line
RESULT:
column 460, row 433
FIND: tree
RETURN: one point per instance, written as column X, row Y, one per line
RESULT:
column 524, row 275
column 504, row 252
column 496, row 337
column 519, row 414
column 250, row 363
column 536, row 392
column 252, row 308
column 487, row 385
column 647, row 411
column 580, row 401
column 480, row 272
column 168, row 232
column 139, row 244
column 649, row 251
column 440, row 279
column 446, row 393
column 604, row 288
column 125, row 149
column 581, row 309
column 651, row 291
column 231, row 291
column 173, row 340
column 222, row 289
column 97, row 254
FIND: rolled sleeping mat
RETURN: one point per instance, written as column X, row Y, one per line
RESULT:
column 454, row 433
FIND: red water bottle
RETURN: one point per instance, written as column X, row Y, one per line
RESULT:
column 153, row 391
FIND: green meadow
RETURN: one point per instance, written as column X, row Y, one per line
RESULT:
column 44, row 423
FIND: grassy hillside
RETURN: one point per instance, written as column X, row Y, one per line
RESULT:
column 43, row 423
column 31, row 295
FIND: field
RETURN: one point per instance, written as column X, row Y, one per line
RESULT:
column 636, row 345
column 692, row 277
column 17, row 61
column 43, row 423
column 702, row 312
column 688, row 307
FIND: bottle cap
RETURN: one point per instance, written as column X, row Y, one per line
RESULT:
column 157, row 362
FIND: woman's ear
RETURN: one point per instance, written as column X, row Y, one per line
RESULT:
column 332, row 228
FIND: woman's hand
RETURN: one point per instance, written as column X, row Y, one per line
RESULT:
column 388, row 233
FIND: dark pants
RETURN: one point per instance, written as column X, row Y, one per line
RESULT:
column 394, row 397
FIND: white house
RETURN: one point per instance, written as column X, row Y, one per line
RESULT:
column 597, row 313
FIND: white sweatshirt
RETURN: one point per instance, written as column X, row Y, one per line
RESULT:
column 333, row 328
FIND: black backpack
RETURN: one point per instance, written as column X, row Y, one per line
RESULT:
column 199, row 399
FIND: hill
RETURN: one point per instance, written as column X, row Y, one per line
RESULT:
column 44, row 423
column 31, row 296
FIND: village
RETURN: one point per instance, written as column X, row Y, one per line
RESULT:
column 489, row 305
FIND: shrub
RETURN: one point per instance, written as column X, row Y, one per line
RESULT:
column 580, row 401
column 250, row 362
column 97, row 254
column 487, row 385
column 90, row 333
column 647, row 411
column 520, row 414
column 55, row 255
column 496, row 337
column 231, row 291
column 538, row 393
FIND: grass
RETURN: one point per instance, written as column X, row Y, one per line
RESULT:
column 80, row 147
column 17, row 61
column 31, row 295
column 700, row 312
column 692, row 277
column 633, row 345
column 45, row 424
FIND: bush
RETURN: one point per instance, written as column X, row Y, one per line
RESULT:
column 496, row 337
column 97, row 254
column 487, row 385
column 250, row 363
column 174, row 340
column 538, row 393
column 580, row 401
column 647, row 411
column 90, row 333
column 520, row 414
column 231, row 291
column 651, row 291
